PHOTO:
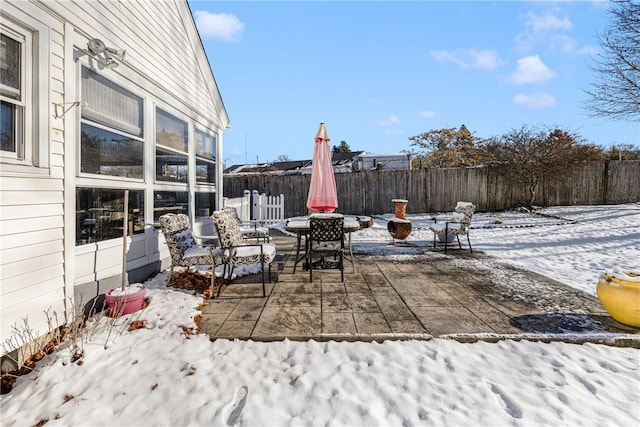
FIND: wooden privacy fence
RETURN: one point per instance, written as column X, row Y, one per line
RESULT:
column 438, row 190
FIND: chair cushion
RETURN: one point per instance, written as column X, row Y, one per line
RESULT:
column 439, row 228
column 250, row 254
column 458, row 217
column 184, row 238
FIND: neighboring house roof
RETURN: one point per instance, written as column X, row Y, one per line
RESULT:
column 341, row 161
column 275, row 167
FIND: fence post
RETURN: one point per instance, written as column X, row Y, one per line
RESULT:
column 245, row 207
column 280, row 207
column 256, row 209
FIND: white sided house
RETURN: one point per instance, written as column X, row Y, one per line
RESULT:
column 98, row 97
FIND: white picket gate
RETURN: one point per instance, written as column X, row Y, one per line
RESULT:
column 253, row 206
column 267, row 209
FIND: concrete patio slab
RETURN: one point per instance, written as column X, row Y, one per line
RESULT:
column 458, row 295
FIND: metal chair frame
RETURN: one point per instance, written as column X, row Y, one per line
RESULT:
column 326, row 237
column 460, row 224
column 235, row 252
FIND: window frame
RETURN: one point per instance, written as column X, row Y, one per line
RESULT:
column 32, row 155
column 142, row 138
column 203, row 159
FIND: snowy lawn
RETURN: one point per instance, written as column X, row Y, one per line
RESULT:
column 162, row 375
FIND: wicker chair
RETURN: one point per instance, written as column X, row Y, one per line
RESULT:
column 236, row 252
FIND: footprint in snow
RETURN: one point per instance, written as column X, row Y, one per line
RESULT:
column 510, row 406
column 237, row 405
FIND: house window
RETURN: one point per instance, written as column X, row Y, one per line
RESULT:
column 109, row 153
column 16, row 73
column 205, row 204
column 171, row 166
column 13, row 74
column 112, row 128
column 205, row 158
column 99, row 214
column 172, row 163
column 176, row 202
column 24, row 92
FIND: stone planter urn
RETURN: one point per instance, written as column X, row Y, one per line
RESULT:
column 399, row 226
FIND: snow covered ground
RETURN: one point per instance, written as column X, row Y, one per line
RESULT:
column 162, row 375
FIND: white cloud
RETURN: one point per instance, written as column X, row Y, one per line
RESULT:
column 219, row 26
column 535, row 101
column 567, row 44
column 391, row 121
column 480, row 59
column 539, row 27
column 531, row 69
column 427, row 114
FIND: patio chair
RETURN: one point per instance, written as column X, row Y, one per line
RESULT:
column 249, row 231
column 326, row 237
column 183, row 248
column 236, row 252
column 457, row 226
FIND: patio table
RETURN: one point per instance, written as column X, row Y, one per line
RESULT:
column 300, row 226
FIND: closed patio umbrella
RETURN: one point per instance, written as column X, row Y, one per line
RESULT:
column 322, row 191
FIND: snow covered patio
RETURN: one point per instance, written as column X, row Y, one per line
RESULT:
column 167, row 374
column 413, row 293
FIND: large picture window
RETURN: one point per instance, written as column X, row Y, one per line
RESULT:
column 100, row 214
column 112, row 128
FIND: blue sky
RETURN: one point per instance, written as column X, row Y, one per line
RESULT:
column 379, row 72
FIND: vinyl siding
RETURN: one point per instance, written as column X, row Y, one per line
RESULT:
column 164, row 59
column 159, row 45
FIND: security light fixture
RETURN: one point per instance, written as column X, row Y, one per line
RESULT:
column 97, row 49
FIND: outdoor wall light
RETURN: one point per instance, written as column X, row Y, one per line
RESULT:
column 103, row 54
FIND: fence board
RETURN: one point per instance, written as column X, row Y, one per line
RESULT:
column 438, row 190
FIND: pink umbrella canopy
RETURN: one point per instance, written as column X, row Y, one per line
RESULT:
column 323, row 196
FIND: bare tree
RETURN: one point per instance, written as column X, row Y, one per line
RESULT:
column 615, row 93
column 530, row 155
column 283, row 158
